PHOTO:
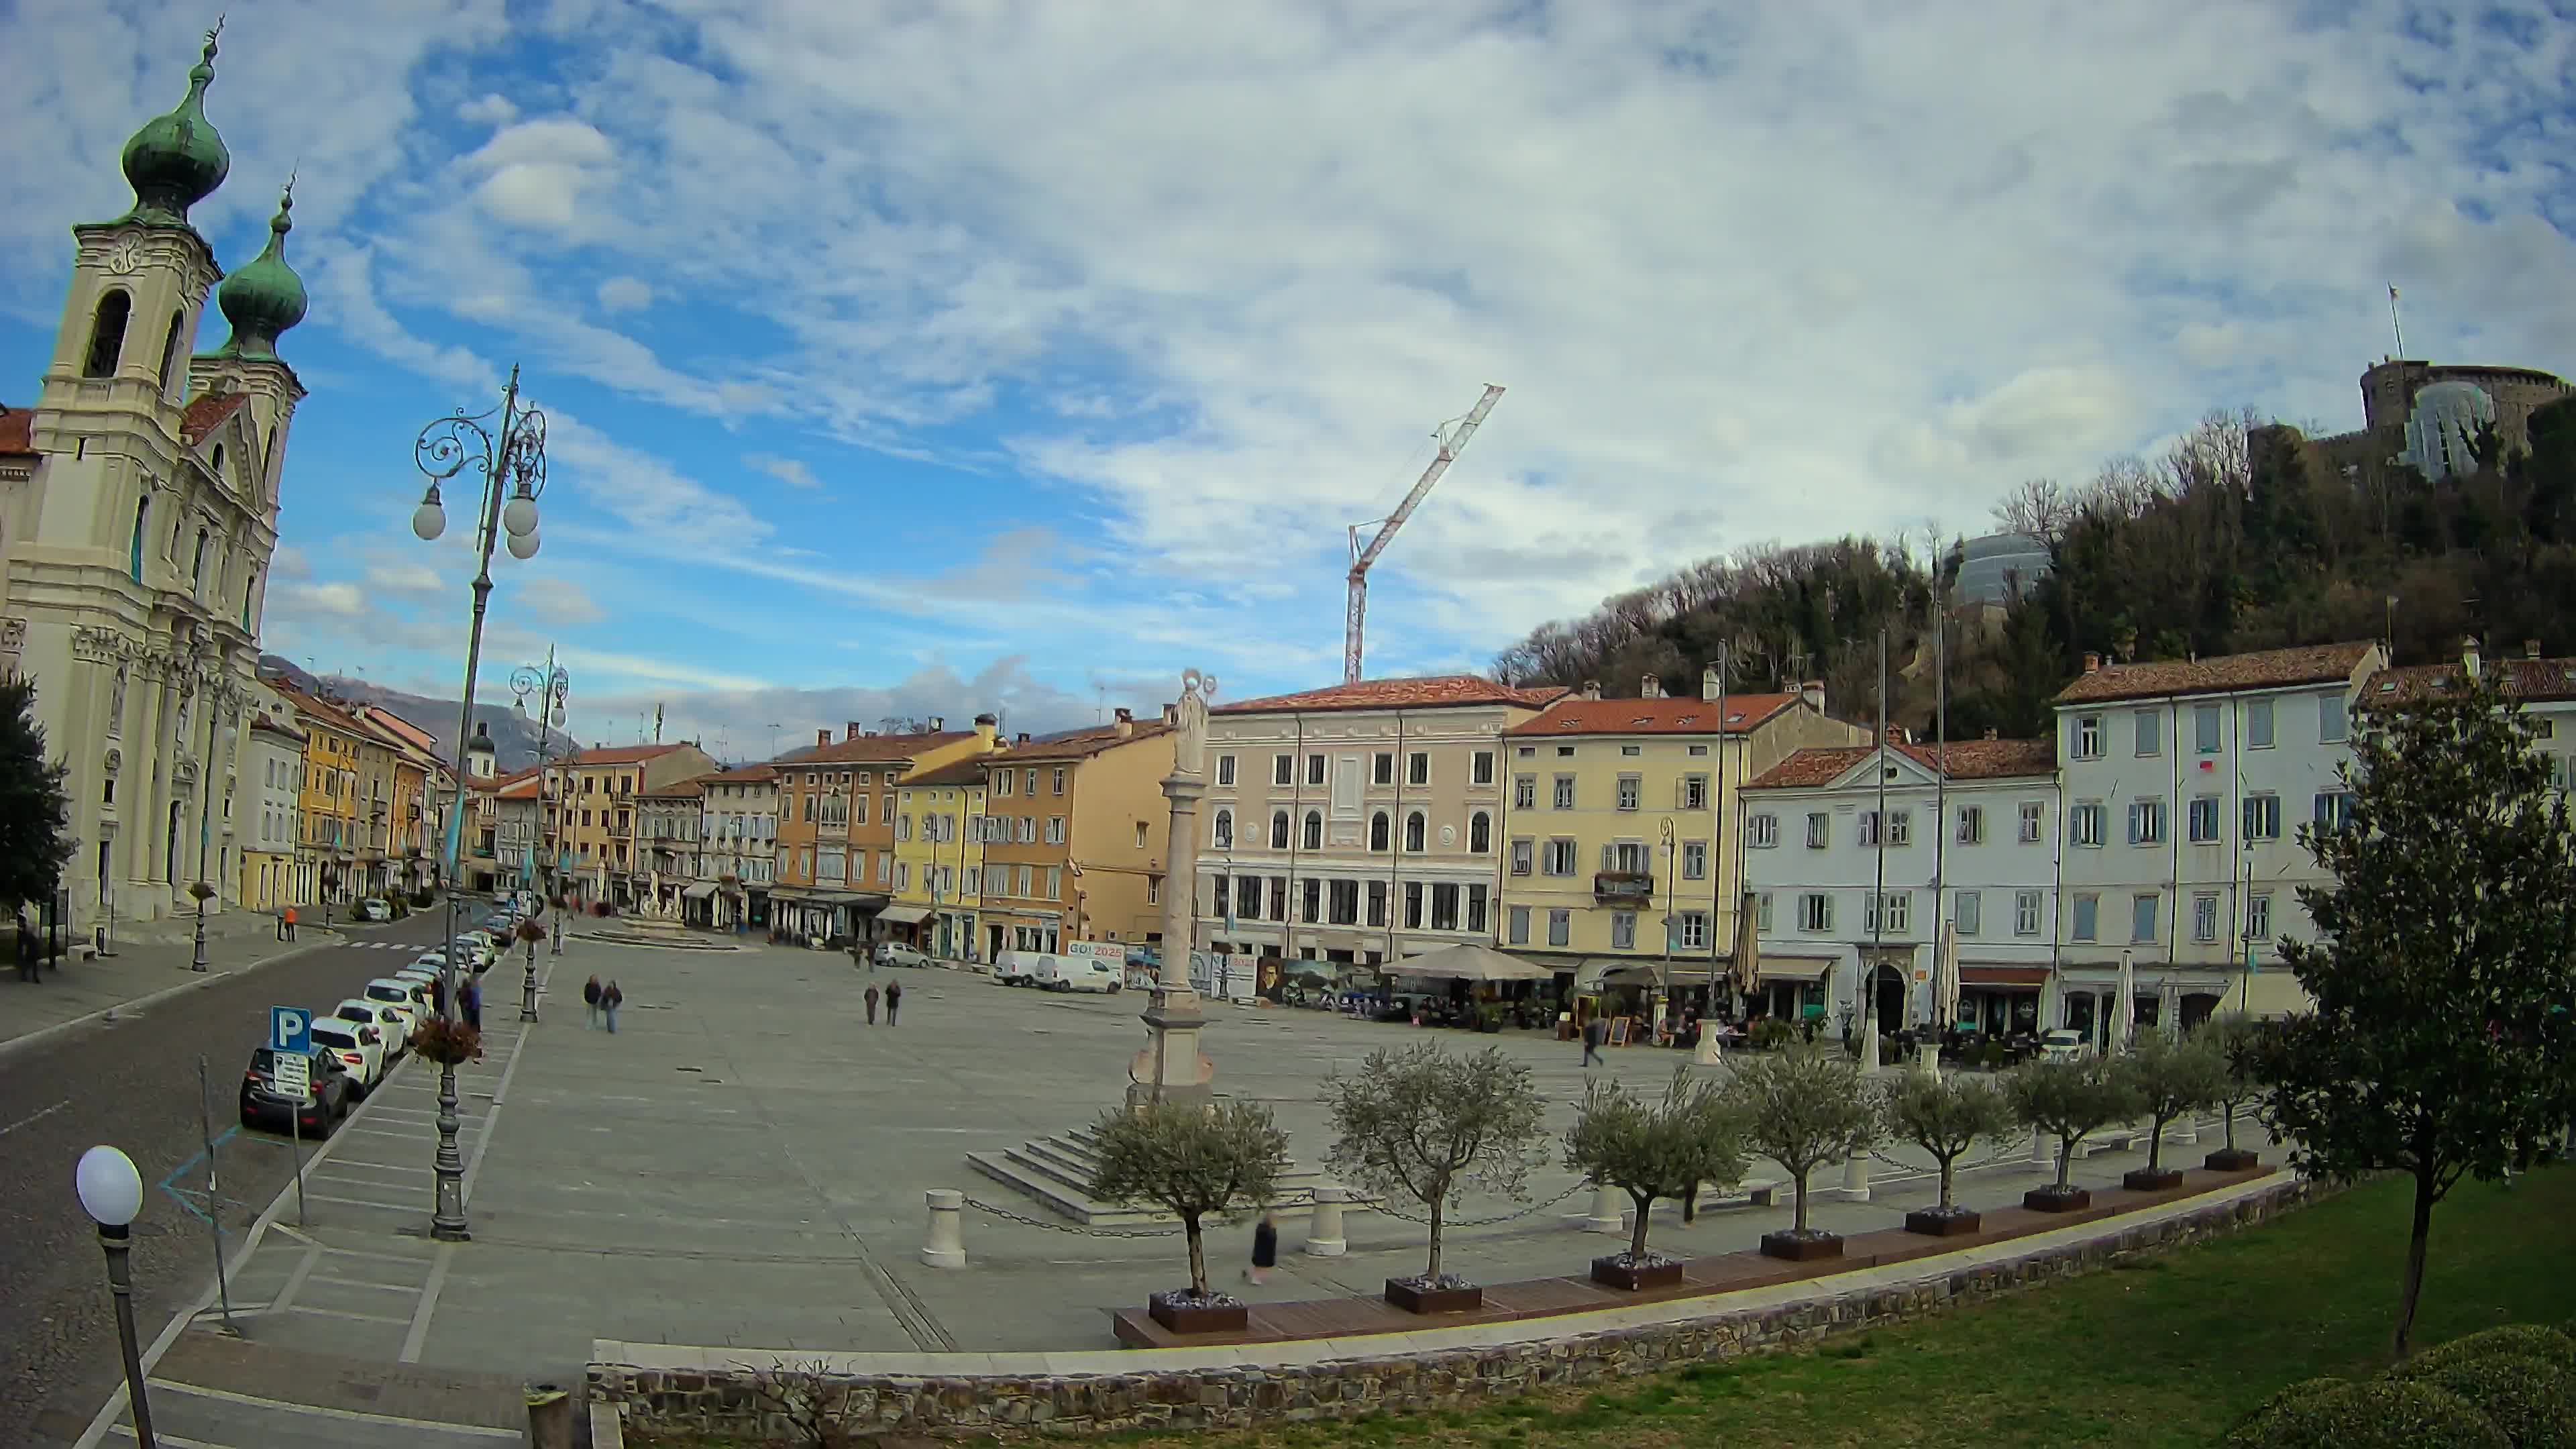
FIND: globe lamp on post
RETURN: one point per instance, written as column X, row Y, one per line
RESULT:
column 111, row 1192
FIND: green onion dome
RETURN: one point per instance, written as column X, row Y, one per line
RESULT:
column 265, row 298
column 177, row 160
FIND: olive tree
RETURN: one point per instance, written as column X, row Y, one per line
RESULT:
column 1192, row 1160
column 2072, row 1099
column 1946, row 1116
column 1803, row 1108
column 1654, row 1150
column 1429, row 1125
column 2234, row 1038
column 2170, row 1078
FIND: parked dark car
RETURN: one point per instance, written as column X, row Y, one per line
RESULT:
column 330, row 1092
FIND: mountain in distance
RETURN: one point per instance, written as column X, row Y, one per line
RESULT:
column 514, row 735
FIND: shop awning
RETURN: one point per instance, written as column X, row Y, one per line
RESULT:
column 2029, row 978
column 699, row 892
column 904, row 915
column 1795, row 968
column 1469, row 962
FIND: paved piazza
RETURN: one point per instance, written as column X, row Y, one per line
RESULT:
column 743, row 1165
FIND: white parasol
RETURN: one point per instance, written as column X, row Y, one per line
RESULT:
column 1945, row 980
column 2127, row 1007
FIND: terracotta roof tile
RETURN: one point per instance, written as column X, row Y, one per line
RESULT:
column 322, row 709
column 1079, row 744
column 527, row 787
column 874, row 749
column 1433, row 692
column 678, row 789
column 2269, row 669
column 206, row 412
column 743, row 775
column 1693, row 716
column 956, row 772
column 1968, row 760
column 617, row 755
column 17, row 433
column 2528, row 679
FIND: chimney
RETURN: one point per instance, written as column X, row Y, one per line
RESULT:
column 1650, row 687
column 2530, row 648
column 1024, row 737
column 2469, row 656
column 1709, row 687
column 987, row 726
column 1126, row 723
column 938, row 722
column 2092, row 662
column 822, row 737
column 1592, row 689
column 1813, row 692
column 850, row 730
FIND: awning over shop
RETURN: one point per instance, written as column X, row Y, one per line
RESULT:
column 1469, row 962
column 826, row 898
column 2026, row 978
column 701, row 891
column 1795, row 968
column 904, row 915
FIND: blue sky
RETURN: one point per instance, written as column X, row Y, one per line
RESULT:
column 933, row 358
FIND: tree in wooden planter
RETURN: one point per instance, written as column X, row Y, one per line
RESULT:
column 2074, row 1100
column 1803, row 1108
column 1946, row 1116
column 2170, row 1078
column 1196, row 1162
column 2235, row 1038
column 1651, row 1151
column 1427, row 1125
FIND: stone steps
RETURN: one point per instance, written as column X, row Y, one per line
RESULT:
column 1056, row 1172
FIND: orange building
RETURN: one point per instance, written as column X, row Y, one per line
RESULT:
column 836, row 825
column 1074, row 838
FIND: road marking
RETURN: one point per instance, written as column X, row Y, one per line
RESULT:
column 343, row 1313
column 362, row 1283
column 379, row 1166
column 367, row 1203
column 163, row 1437
column 33, row 1117
column 354, row 1416
column 295, row 1280
column 422, row 1311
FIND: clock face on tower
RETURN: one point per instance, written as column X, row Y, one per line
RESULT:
column 125, row 256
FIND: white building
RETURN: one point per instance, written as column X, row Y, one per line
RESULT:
column 1968, row 835
column 138, row 500
column 2185, row 783
column 2546, row 687
column 271, row 821
column 738, row 861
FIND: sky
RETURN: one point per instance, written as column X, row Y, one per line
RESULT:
column 910, row 358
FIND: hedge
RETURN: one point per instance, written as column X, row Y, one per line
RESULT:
column 2380, row 1414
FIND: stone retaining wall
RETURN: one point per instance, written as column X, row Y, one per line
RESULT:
column 733, row 1402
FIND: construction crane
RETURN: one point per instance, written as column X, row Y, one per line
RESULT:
column 1453, row 436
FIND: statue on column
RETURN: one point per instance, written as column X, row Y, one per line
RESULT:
column 1189, row 749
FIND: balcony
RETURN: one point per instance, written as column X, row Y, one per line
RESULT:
column 1623, row 886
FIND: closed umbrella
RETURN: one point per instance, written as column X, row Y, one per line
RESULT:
column 1746, row 967
column 1945, row 980
column 2127, row 1010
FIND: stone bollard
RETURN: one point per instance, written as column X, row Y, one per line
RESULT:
column 549, row 1416
column 2040, row 1157
column 947, row 1245
column 1855, row 1186
column 1927, row 1059
column 1324, row 1231
column 2185, row 1129
column 1706, row 1052
column 1608, row 1215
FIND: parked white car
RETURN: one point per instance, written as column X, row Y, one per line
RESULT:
column 1077, row 973
column 2064, row 1045
column 411, row 996
column 386, row 1017
column 1017, row 968
column 360, row 1048
column 889, row 953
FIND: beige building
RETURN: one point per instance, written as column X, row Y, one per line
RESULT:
column 739, row 860
column 591, row 801
column 1360, row 823
column 1074, row 828
column 1622, row 832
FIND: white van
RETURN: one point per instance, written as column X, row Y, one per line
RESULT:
column 1017, row 968
column 1078, row 973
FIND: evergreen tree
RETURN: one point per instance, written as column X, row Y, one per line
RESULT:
column 34, row 844
column 2440, row 1044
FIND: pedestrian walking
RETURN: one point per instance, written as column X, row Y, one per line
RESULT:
column 1593, row 1033
column 1265, row 1249
column 281, row 925
column 471, row 999
column 290, row 923
column 26, row 952
column 894, row 1000
column 872, row 1006
column 590, row 999
column 610, row 998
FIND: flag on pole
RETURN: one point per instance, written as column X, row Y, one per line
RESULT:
column 455, row 837
column 2392, row 294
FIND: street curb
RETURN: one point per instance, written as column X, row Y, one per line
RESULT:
column 61, row 1029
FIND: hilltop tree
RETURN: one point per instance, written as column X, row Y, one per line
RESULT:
column 2440, row 1044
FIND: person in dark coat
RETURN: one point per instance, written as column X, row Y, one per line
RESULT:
column 894, row 1000
column 1265, row 1249
column 470, row 999
column 610, row 998
column 872, row 1005
column 26, row 952
column 590, row 998
column 1594, row 1032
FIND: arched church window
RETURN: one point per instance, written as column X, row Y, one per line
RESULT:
column 107, row 334
column 219, row 465
column 197, row 567
column 250, row 591
column 170, row 353
column 134, row 559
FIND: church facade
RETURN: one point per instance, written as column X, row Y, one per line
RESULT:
column 138, row 515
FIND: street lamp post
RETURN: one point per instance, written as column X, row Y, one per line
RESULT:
column 551, row 686
column 513, row 469
column 111, row 1192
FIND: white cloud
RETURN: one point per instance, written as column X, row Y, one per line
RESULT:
column 625, row 294
column 488, row 110
column 539, row 174
column 559, row 601
column 791, row 471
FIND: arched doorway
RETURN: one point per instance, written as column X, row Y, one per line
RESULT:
column 1887, row 995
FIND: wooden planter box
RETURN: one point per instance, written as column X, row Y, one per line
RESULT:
column 1414, row 1299
column 2138, row 1179
column 2050, row 1200
column 1934, row 1223
column 1795, row 1248
column 1611, row 1273
column 1182, row 1315
column 2232, row 1159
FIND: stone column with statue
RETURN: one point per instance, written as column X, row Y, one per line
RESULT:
column 1172, row 1067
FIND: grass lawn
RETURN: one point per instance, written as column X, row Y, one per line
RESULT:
column 2168, row 1351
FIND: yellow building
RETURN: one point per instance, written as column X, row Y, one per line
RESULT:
column 591, row 814
column 327, row 806
column 939, row 862
column 1621, row 824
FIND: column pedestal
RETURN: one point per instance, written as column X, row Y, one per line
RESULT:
column 1324, row 1237
column 1171, row 1068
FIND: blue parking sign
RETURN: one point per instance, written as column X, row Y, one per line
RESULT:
column 290, row 1029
